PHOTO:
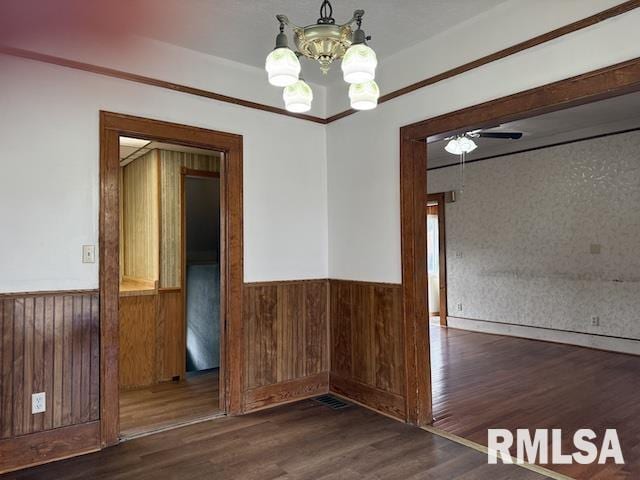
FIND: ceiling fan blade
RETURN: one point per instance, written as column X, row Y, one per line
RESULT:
column 504, row 135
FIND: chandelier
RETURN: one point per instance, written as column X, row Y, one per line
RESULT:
column 324, row 42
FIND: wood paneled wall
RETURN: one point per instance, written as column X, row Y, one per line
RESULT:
column 140, row 218
column 152, row 343
column 286, row 341
column 170, row 335
column 367, row 362
column 171, row 164
column 48, row 343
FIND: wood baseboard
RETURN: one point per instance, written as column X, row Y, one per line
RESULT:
column 381, row 401
column 285, row 392
column 44, row 447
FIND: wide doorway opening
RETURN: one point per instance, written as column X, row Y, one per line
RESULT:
column 542, row 270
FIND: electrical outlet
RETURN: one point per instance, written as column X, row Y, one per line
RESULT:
column 595, row 321
column 458, row 254
column 38, row 403
column 88, row 254
column 459, row 306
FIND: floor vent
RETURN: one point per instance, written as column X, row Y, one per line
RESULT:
column 332, row 402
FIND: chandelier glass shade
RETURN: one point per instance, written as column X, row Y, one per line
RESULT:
column 359, row 64
column 298, row 97
column 364, row 96
column 283, row 67
column 324, row 42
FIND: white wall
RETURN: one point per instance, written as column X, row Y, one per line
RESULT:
column 520, row 234
column 49, row 153
column 298, row 175
column 363, row 149
column 155, row 59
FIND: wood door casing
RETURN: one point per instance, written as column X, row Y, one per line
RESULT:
column 112, row 125
column 607, row 82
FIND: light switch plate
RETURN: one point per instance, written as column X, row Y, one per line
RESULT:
column 88, row 254
column 38, row 402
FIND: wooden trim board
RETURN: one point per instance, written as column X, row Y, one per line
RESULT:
column 369, row 397
column 51, row 445
column 284, row 392
column 607, row 14
column 133, row 77
column 506, row 52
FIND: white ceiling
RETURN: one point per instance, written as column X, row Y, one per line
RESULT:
column 244, row 30
column 128, row 153
column 612, row 115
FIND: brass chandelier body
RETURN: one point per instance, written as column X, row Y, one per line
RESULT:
column 324, row 41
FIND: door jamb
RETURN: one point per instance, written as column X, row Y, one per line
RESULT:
column 442, row 254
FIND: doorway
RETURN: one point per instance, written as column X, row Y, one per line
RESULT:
column 169, row 334
column 155, row 304
column 436, row 259
column 200, row 221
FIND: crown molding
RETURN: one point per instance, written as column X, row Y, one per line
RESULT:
column 133, row 77
column 607, row 14
column 519, row 47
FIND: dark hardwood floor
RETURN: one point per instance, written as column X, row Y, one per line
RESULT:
column 482, row 381
column 159, row 406
column 304, row 440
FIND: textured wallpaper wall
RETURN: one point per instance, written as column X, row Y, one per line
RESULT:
column 523, row 237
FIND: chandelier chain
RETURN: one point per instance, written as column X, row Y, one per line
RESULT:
column 326, row 13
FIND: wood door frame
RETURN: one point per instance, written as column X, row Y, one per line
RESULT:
column 184, row 173
column 600, row 84
column 112, row 125
column 440, row 198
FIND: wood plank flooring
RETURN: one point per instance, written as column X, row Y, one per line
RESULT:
column 304, row 440
column 482, row 381
column 170, row 403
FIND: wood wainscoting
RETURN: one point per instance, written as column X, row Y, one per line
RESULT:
column 49, row 343
column 367, row 352
column 286, row 341
column 152, row 338
column 293, row 328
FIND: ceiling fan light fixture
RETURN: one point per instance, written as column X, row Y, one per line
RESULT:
column 359, row 64
column 298, row 97
column 364, row 96
column 283, row 67
column 460, row 145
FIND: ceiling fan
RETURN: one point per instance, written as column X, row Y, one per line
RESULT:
column 463, row 143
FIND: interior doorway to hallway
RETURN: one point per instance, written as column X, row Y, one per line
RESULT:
column 170, row 289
